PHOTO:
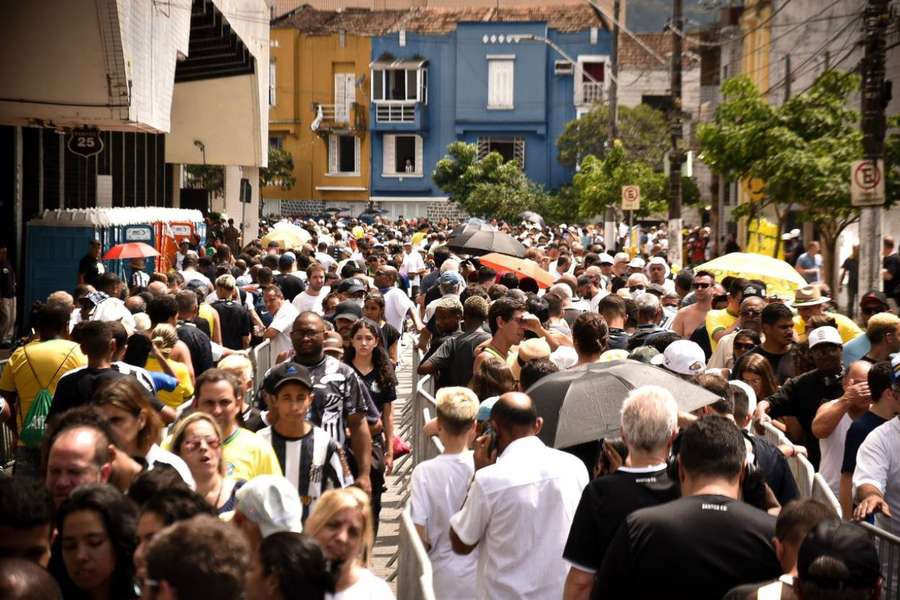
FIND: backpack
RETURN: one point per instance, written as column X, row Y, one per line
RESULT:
column 35, row 424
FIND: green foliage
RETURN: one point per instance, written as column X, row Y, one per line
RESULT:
column 642, row 129
column 892, row 159
column 280, row 172
column 209, row 177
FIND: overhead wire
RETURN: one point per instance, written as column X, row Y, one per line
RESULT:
column 768, row 19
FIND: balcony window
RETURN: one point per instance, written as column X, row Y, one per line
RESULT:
column 590, row 81
column 399, row 81
column 402, row 156
column 343, row 155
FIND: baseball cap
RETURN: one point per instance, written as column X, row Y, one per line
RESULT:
column 351, row 286
column 637, row 263
column 272, row 503
column 284, row 373
column 606, row 259
column 484, row 409
column 450, row 278
column 348, row 310
column 754, row 289
column 874, row 297
column 824, row 335
column 644, row 354
column 840, row 542
column 613, row 354
column 683, row 357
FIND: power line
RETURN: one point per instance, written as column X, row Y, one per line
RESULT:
column 682, row 34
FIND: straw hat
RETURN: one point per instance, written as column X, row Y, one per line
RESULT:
column 809, row 295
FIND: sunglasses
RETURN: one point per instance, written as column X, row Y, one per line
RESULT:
column 193, row 445
column 636, row 288
column 701, row 286
column 743, row 346
column 751, row 313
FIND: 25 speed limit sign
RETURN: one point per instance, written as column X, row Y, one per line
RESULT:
column 631, row 197
column 85, row 142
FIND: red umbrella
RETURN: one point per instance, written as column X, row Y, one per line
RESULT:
column 130, row 250
column 522, row 267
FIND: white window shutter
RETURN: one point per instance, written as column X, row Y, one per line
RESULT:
column 579, row 88
column 356, row 154
column 340, row 98
column 508, row 83
column 333, row 154
column 389, row 158
column 420, row 167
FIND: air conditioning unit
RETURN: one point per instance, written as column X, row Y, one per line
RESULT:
column 563, row 67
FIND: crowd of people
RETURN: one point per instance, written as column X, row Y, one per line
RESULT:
column 152, row 461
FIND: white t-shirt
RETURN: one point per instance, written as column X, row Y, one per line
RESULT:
column 519, row 512
column 878, row 464
column 412, row 262
column 283, row 321
column 191, row 275
column 325, row 259
column 368, row 587
column 832, row 449
column 396, row 305
column 305, row 301
column 439, row 488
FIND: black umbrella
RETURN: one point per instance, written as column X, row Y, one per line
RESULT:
column 533, row 217
column 482, row 239
column 582, row 405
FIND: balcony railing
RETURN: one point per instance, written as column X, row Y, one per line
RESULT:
column 395, row 113
column 333, row 116
column 590, row 92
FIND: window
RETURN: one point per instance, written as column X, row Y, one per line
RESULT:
column 399, row 85
column 511, row 149
column 276, row 141
column 272, row 87
column 589, row 81
column 402, row 156
column 344, row 96
column 500, row 82
column 343, row 155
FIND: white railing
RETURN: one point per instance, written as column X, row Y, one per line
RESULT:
column 414, row 576
column 395, row 113
column 262, row 359
column 591, row 92
column 824, row 494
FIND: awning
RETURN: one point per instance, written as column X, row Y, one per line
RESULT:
column 389, row 65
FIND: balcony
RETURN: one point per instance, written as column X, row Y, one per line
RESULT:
column 333, row 118
column 399, row 116
column 589, row 92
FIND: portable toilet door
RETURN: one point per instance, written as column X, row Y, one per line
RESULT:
column 138, row 233
column 53, row 255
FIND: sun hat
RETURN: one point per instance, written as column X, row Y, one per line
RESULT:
column 809, row 295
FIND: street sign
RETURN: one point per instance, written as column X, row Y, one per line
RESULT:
column 631, row 197
column 867, row 183
column 85, row 142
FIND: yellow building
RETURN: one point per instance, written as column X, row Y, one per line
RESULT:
column 319, row 96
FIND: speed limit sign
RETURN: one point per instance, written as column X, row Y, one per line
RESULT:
column 631, row 197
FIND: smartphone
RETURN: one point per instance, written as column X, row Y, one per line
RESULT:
column 492, row 444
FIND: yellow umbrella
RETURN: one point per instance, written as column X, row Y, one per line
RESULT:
column 779, row 277
column 285, row 238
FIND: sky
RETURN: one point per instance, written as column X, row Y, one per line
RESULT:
column 651, row 15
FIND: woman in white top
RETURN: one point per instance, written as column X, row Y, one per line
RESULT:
column 136, row 425
column 198, row 440
column 342, row 524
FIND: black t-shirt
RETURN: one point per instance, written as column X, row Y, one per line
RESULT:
column 891, row 263
column 454, row 358
column 774, row 467
column 235, row 320
column 76, row 387
column 379, row 395
column 290, row 285
column 389, row 335
column 857, row 433
column 88, row 266
column 640, row 335
column 695, row 547
column 198, row 343
column 605, row 503
column 618, row 339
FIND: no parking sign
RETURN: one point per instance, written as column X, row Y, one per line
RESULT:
column 631, row 197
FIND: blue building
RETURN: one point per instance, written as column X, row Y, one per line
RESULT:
column 507, row 80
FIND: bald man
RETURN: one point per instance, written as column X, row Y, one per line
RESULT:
column 518, row 510
column 25, row 580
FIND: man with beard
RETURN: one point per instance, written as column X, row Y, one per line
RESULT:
column 339, row 400
column 316, row 290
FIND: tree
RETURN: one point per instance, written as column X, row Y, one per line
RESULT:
column 209, row 177
column 800, row 152
column 599, row 184
column 280, row 172
column 642, row 129
column 486, row 187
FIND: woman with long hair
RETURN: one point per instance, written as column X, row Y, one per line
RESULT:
column 164, row 337
column 369, row 359
column 285, row 563
column 756, row 371
column 97, row 527
column 198, row 440
column 136, row 426
column 373, row 309
column 341, row 523
column 745, row 340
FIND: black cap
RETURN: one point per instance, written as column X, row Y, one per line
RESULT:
column 349, row 310
column 850, row 551
column 754, row 289
column 874, row 297
column 283, row 373
column 351, row 286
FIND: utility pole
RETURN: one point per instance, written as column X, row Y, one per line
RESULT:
column 787, row 77
column 609, row 229
column 676, row 132
column 875, row 96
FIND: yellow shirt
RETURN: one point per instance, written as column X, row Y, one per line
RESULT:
column 182, row 392
column 717, row 320
column 45, row 358
column 207, row 312
column 845, row 326
column 246, row 455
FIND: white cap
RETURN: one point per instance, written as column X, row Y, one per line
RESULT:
column 272, row 503
column 621, row 257
column 606, row 259
column 637, row 263
column 683, row 357
column 824, row 335
column 658, row 260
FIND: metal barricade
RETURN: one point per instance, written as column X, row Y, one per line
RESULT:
column 888, row 546
column 414, row 578
column 822, row 492
column 262, row 359
column 803, row 473
column 775, row 435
